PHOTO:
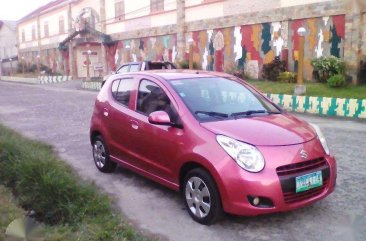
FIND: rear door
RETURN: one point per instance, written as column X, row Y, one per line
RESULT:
column 119, row 118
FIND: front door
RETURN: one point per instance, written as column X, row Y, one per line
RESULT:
column 157, row 146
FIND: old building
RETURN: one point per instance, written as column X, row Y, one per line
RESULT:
column 72, row 36
column 8, row 49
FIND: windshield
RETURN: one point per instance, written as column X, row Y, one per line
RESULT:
column 219, row 98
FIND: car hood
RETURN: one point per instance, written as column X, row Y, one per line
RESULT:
column 268, row 130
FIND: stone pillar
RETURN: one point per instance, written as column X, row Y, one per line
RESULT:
column 352, row 47
column 363, row 36
column 72, row 57
column 181, row 30
column 103, row 30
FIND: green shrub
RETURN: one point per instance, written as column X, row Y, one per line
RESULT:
column 326, row 67
column 337, row 80
column 272, row 70
column 43, row 183
column 288, row 77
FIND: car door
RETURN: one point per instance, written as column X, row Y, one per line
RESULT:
column 119, row 119
column 157, row 146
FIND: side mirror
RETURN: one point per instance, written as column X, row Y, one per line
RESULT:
column 159, row 118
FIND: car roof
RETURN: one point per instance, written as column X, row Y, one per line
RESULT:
column 173, row 74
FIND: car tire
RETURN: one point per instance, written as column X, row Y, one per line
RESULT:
column 101, row 156
column 201, row 197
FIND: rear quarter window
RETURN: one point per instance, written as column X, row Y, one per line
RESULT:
column 121, row 90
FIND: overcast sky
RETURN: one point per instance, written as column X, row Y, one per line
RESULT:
column 16, row 9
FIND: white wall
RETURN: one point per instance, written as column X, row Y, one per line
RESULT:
column 7, row 42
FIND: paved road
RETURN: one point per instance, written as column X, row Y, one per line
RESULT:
column 61, row 117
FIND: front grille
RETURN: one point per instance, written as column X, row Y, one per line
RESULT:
column 301, row 167
column 288, row 173
column 292, row 197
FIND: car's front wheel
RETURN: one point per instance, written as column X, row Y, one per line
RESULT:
column 201, row 196
column 101, row 156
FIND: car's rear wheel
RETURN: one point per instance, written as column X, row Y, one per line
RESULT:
column 101, row 156
column 201, row 196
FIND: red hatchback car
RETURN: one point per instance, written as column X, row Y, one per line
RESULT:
column 214, row 138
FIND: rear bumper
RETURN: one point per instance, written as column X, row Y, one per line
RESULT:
column 269, row 185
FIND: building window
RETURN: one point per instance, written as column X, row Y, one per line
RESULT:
column 33, row 32
column 23, row 36
column 46, row 30
column 61, row 25
column 156, row 6
column 119, row 10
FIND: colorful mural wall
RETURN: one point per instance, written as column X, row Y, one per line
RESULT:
column 149, row 48
column 325, row 36
column 250, row 46
column 245, row 47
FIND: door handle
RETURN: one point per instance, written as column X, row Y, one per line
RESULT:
column 134, row 124
column 105, row 112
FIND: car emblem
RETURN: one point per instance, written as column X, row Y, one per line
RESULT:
column 303, row 154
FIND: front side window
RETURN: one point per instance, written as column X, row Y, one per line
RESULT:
column 123, row 69
column 124, row 88
column 220, row 98
column 153, row 98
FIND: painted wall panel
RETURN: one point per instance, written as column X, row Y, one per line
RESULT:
column 150, row 48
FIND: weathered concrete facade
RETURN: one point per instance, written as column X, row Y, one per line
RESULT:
column 227, row 34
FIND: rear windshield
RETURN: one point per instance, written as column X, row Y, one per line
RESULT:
column 219, row 98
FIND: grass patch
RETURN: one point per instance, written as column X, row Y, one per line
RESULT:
column 312, row 89
column 70, row 208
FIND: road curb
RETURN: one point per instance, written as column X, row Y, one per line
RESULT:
column 324, row 106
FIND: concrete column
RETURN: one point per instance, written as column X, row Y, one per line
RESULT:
column 181, row 30
column 72, row 57
column 103, row 30
column 352, row 47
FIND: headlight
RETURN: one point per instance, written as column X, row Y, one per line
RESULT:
column 248, row 157
column 321, row 138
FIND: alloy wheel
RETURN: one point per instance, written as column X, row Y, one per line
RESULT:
column 198, row 197
column 99, row 154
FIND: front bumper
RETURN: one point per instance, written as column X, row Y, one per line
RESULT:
column 277, row 186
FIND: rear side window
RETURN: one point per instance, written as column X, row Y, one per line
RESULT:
column 134, row 68
column 124, row 88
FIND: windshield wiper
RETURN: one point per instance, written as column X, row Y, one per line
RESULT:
column 247, row 113
column 212, row 113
